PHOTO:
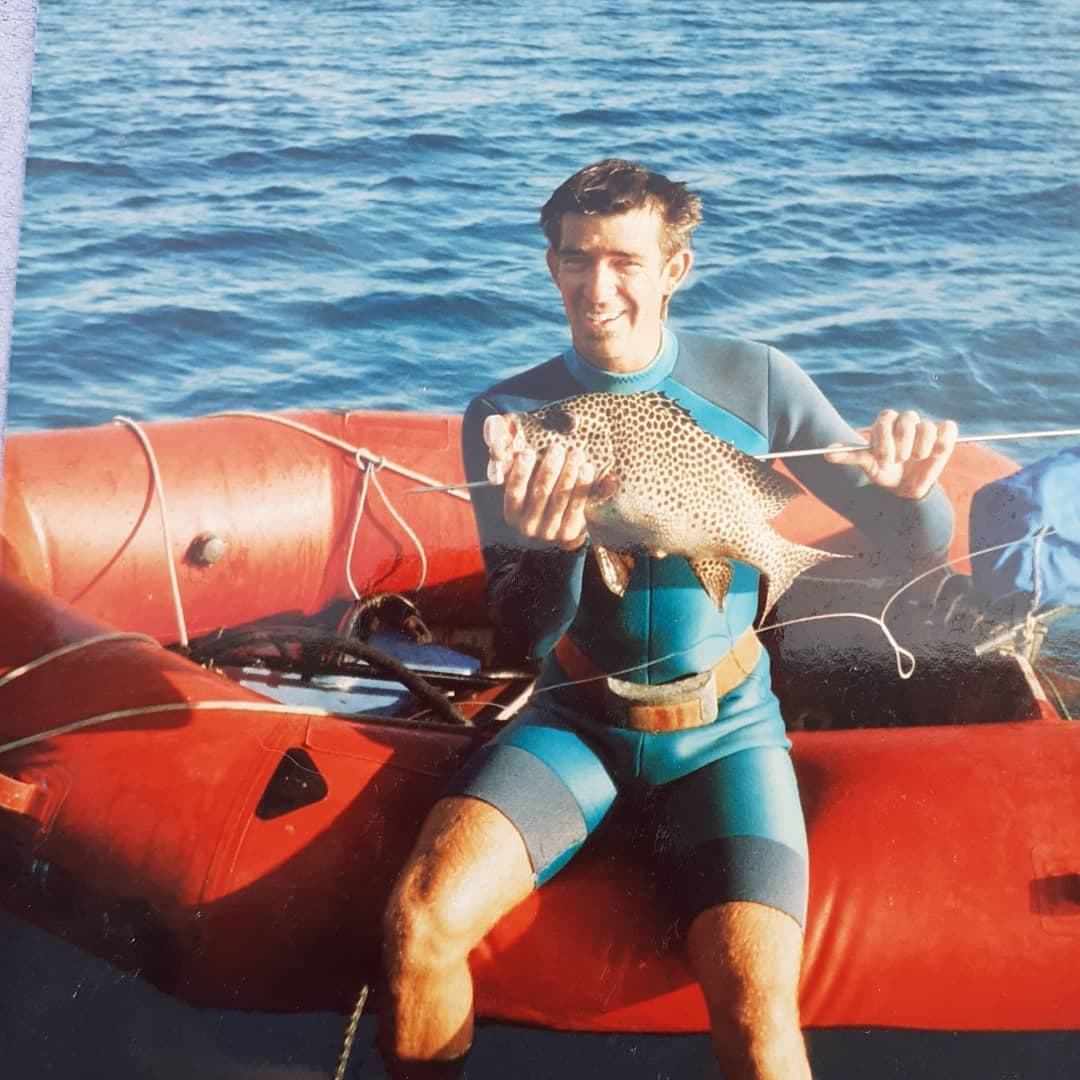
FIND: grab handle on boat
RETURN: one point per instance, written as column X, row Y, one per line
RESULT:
column 32, row 802
column 23, row 797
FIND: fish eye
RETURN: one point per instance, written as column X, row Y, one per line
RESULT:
column 557, row 420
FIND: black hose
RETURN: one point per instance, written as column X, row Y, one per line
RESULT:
column 214, row 647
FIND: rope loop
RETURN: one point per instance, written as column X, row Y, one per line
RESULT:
column 368, row 462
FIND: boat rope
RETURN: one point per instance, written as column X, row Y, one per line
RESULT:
column 271, row 707
column 357, row 451
column 901, row 652
column 1030, row 627
column 75, row 646
column 512, row 708
column 1036, row 572
column 411, row 680
column 350, row 1033
column 369, row 470
column 159, row 491
column 368, row 463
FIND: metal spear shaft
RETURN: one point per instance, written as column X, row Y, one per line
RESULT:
column 818, row 451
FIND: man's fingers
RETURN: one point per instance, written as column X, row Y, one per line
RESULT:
column 907, row 453
column 516, row 485
column 545, row 498
column 883, row 439
column 574, row 526
column 541, row 484
column 553, row 509
column 925, row 441
column 906, row 430
column 948, row 433
column 931, row 468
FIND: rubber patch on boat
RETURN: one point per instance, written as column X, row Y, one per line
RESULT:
column 1055, row 890
column 296, row 783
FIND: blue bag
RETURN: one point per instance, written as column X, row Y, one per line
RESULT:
column 1036, row 512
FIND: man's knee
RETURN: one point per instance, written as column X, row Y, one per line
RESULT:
column 419, row 924
column 748, row 957
column 467, row 869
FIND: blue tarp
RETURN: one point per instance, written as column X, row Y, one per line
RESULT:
column 1036, row 513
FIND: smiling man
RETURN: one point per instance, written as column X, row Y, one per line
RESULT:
column 616, row 274
column 711, row 769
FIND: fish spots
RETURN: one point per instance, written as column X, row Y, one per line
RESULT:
column 680, row 490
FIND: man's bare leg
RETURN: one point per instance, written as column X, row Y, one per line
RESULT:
column 747, row 958
column 468, row 868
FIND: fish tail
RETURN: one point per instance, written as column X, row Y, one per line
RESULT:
column 791, row 560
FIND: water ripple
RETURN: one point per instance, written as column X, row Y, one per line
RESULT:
column 344, row 196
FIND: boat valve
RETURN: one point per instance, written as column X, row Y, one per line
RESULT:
column 206, row 549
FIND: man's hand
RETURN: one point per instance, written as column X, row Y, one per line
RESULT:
column 906, row 454
column 545, row 499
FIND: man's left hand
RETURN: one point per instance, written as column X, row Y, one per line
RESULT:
column 906, row 452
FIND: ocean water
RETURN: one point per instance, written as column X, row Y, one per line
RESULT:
column 268, row 204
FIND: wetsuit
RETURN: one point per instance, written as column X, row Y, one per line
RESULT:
column 728, row 823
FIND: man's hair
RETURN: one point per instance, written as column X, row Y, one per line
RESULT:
column 616, row 186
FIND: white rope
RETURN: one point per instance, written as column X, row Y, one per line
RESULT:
column 1036, row 573
column 65, row 650
column 405, row 527
column 156, row 710
column 898, row 649
column 369, row 464
column 159, row 490
column 356, row 451
column 958, row 559
column 509, row 711
column 350, row 1034
column 360, row 503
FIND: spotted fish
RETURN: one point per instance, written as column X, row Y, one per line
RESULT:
column 664, row 486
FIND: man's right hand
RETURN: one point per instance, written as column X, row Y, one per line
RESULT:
column 545, row 498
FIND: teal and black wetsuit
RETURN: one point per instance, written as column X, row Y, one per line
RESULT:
column 725, row 793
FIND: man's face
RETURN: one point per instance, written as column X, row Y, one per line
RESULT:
column 615, row 283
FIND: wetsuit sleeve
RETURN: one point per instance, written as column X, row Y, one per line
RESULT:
column 532, row 591
column 912, row 532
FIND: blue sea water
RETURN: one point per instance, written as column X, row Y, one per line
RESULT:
column 268, row 204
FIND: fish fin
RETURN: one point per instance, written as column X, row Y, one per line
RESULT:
column 792, row 560
column 775, row 489
column 615, row 567
column 715, row 576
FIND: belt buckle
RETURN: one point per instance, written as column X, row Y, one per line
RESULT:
column 675, row 706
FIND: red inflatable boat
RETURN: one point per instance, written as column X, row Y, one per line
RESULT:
column 230, row 828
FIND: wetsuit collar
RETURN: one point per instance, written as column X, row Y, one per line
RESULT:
column 648, row 378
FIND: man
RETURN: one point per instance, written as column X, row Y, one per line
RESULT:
column 720, row 781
